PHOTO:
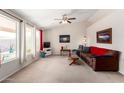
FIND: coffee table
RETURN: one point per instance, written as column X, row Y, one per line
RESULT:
column 74, row 58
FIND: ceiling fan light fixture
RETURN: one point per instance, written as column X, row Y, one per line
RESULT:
column 64, row 22
column 65, row 19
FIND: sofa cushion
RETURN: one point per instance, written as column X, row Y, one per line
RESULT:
column 78, row 52
column 87, row 56
column 110, row 53
column 80, row 47
column 86, row 49
column 98, row 51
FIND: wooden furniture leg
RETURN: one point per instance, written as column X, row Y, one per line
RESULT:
column 74, row 61
column 70, row 53
column 60, row 52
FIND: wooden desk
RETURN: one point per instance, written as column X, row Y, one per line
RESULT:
column 65, row 50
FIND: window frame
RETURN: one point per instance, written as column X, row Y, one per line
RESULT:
column 18, row 28
column 36, row 40
column 33, row 45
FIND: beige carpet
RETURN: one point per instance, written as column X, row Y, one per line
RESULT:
column 56, row 69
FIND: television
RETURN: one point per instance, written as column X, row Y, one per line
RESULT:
column 46, row 44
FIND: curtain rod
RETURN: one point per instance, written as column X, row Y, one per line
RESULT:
column 12, row 15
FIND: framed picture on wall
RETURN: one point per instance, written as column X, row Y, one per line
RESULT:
column 64, row 38
column 105, row 36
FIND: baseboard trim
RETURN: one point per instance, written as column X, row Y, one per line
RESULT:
column 56, row 54
column 9, row 75
column 121, row 72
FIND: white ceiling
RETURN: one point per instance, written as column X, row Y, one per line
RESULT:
column 45, row 17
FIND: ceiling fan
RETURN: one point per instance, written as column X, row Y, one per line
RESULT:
column 65, row 19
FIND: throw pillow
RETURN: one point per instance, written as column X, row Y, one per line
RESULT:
column 86, row 49
column 80, row 47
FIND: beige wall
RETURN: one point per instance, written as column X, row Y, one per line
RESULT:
column 114, row 20
column 75, row 30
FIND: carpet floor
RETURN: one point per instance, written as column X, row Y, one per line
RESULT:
column 56, row 69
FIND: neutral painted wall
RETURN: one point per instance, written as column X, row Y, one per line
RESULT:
column 75, row 30
column 114, row 20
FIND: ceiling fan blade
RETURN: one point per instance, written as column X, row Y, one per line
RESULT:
column 69, row 22
column 58, row 19
column 71, row 18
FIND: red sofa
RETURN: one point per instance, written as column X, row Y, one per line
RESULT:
column 101, row 59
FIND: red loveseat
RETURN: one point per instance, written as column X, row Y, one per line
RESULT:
column 101, row 59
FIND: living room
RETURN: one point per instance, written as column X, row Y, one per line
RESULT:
column 64, row 46
column 101, row 20
column 65, row 30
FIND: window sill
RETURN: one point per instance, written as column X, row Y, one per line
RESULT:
column 29, row 55
column 7, row 61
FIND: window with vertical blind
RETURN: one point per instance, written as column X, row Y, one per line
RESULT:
column 37, row 40
column 29, row 39
column 8, row 38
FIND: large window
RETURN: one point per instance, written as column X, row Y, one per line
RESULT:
column 37, row 40
column 8, row 30
column 29, row 39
